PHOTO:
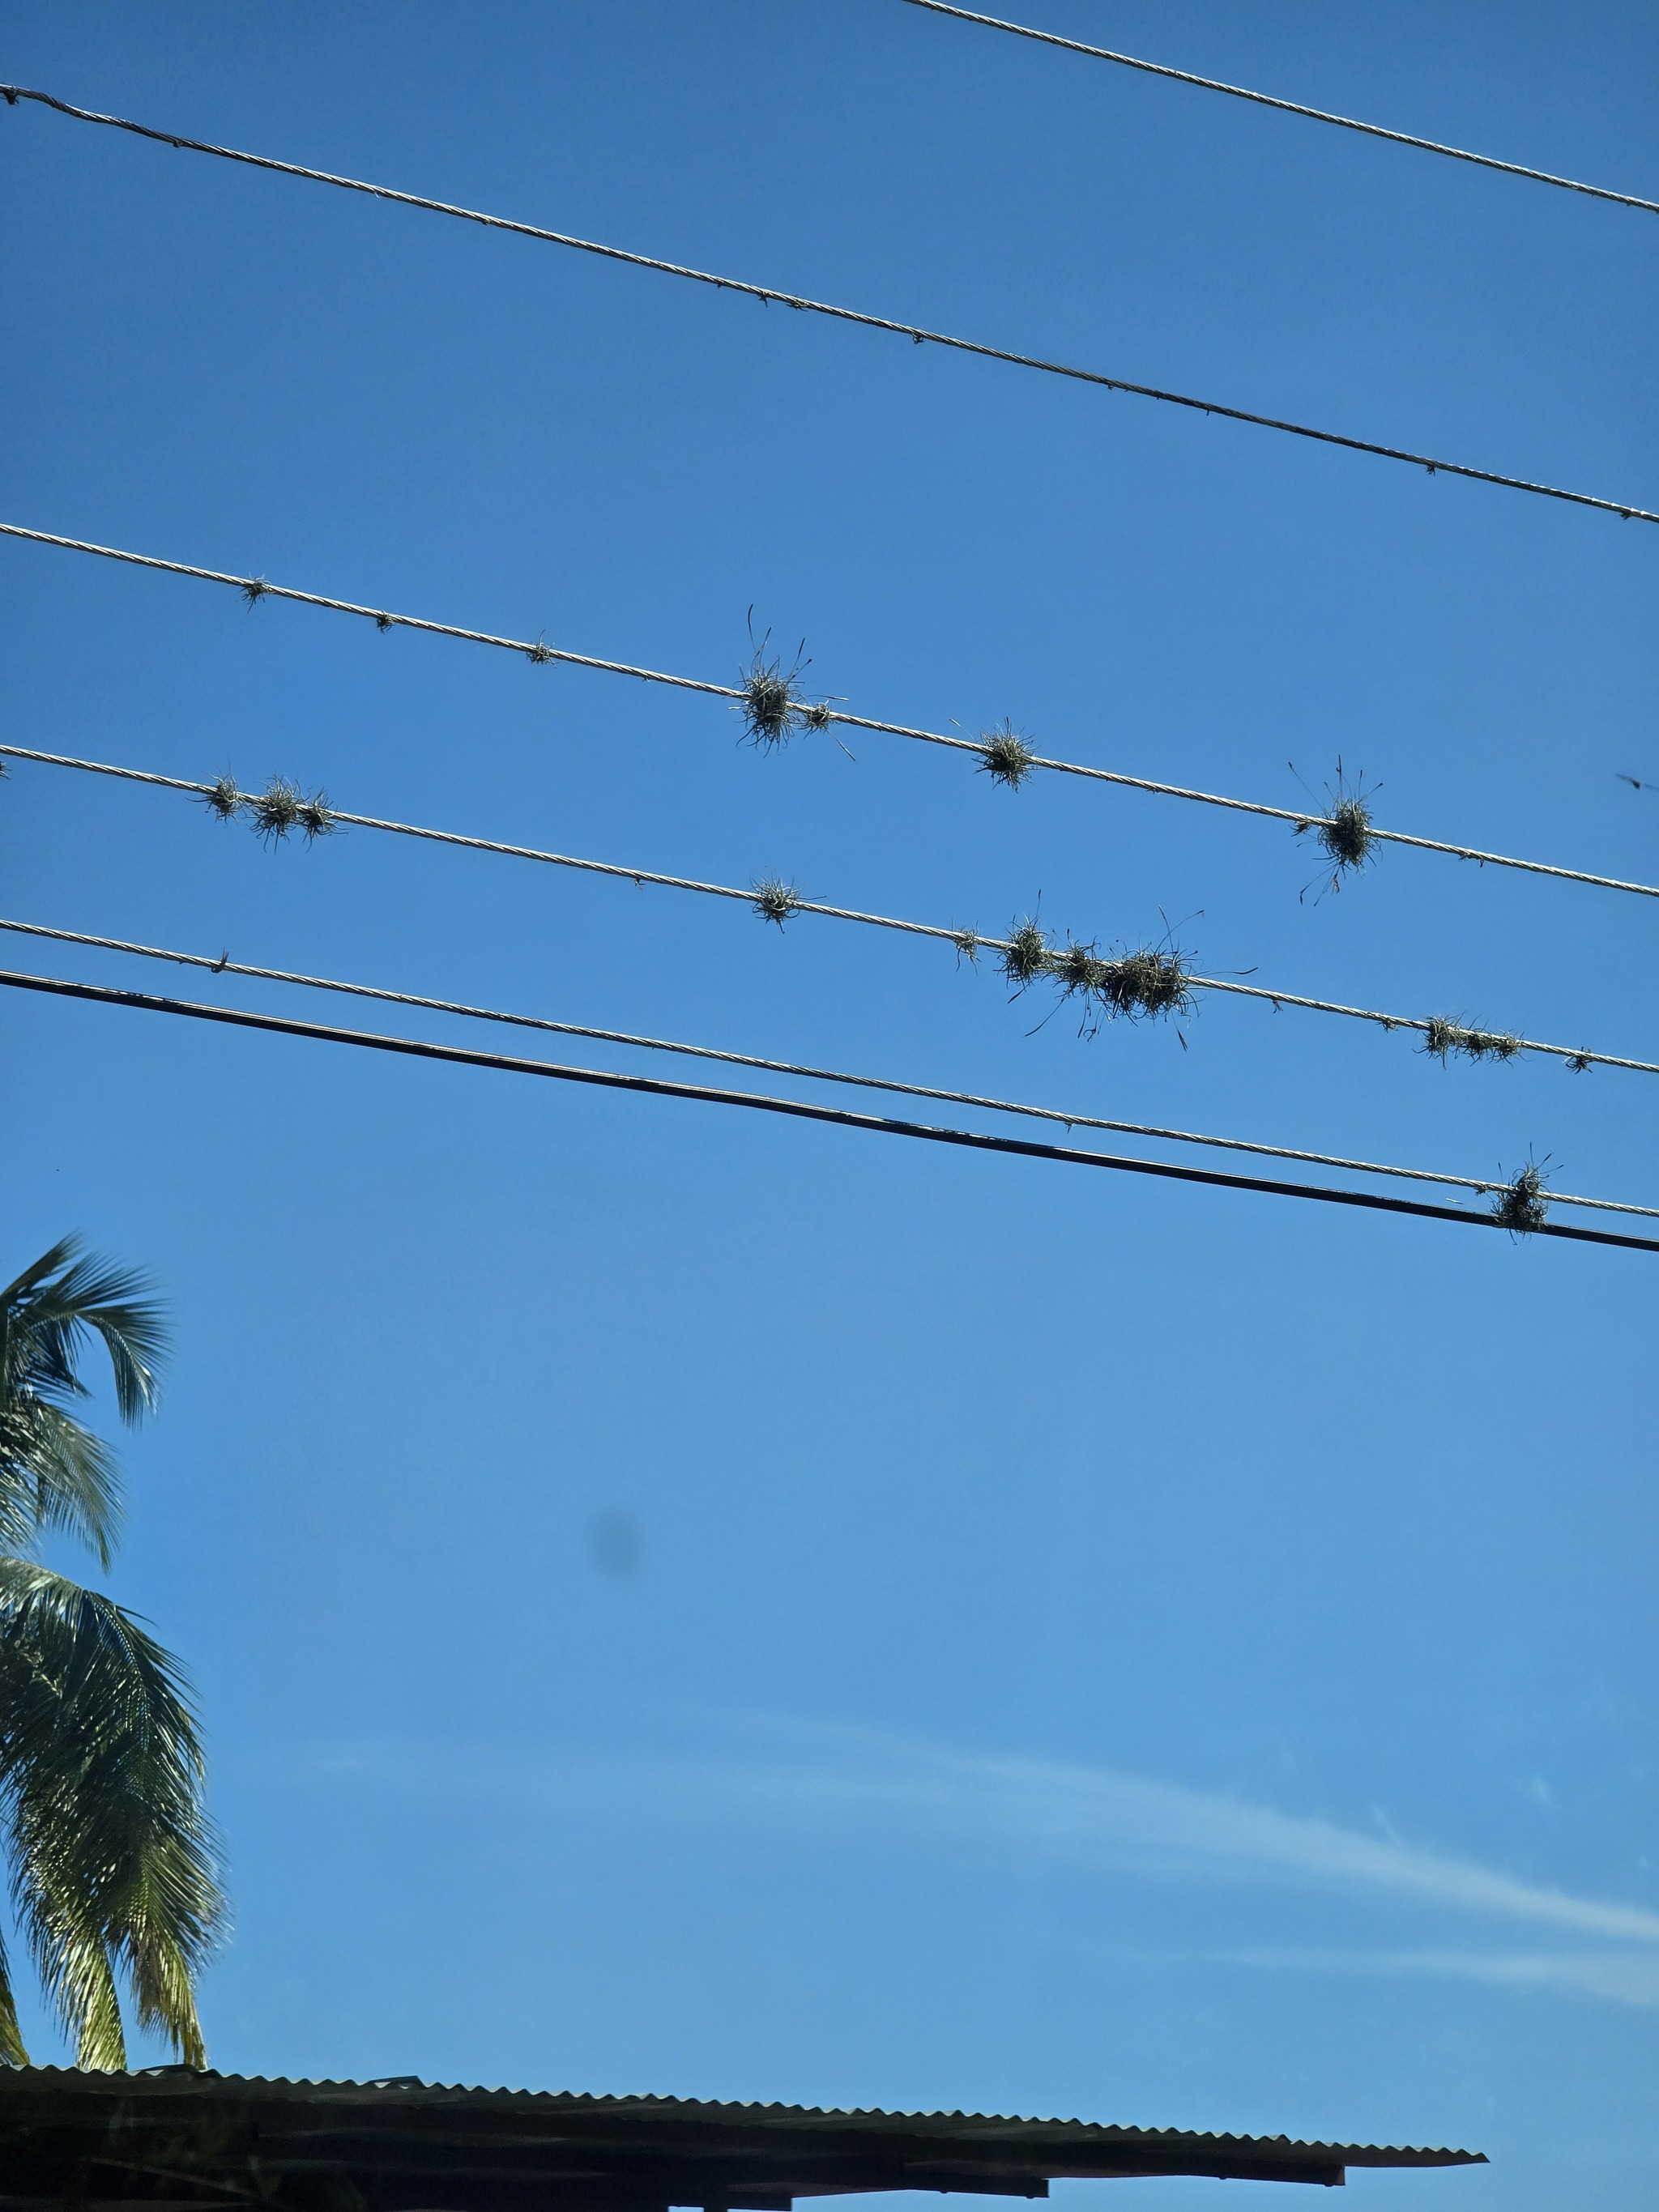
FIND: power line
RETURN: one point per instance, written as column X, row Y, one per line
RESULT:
column 799, row 1109
column 765, row 293
column 226, row 966
column 1289, row 106
column 255, row 588
column 1028, row 955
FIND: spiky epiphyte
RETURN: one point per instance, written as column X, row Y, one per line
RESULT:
column 775, row 900
column 316, row 817
column 1521, row 1206
column 1150, row 981
column 538, row 652
column 254, row 590
column 276, row 810
column 771, row 701
column 222, row 799
column 1005, row 756
column 1345, row 830
column 1025, row 955
column 1346, row 833
column 1077, row 969
column 1445, row 1037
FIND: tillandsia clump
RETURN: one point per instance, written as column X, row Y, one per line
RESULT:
column 222, row 799
column 254, row 590
column 1345, row 830
column 316, row 817
column 1142, row 982
column 775, row 900
column 1024, row 955
column 1005, row 756
column 773, row 704
column 282, row 806
column 1146, row 982
column 1151, row 981
column 1442, row 1038
column 1521, row 1206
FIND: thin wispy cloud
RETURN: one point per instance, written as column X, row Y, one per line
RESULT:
column 1101, row 1816
column 1624, row 1977
column 819, row 1778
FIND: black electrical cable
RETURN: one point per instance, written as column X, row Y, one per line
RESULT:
column 797, row 1109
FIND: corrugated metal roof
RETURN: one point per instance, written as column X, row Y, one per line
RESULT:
column 172, row 2138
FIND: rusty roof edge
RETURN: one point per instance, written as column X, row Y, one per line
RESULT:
column 404, row 2090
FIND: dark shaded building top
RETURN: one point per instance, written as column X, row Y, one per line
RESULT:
column 186, row 2142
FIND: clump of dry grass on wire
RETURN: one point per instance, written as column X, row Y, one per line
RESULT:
column 1345, row 830
column 1445, row 1037
column 222, row 799
column 1005, row 756
column 773, row 705
column 775, row 900
column 282, row 806
column 1521, row 1206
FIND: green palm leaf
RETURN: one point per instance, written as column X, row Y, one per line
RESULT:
column 102, row 1782
column 101, row 1777
column 47, row 1315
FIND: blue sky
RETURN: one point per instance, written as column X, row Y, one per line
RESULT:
column 688, row 1603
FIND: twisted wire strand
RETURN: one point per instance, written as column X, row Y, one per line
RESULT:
column 964, row 940
column 226, row 966
column 800, row 1110
column 259, row 587
column 917, row 332
column 1289, row 107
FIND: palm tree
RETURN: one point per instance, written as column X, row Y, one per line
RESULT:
column 101, row 1773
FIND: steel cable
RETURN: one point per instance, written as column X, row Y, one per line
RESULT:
column 1289, row 106
column 964, row 940
column 539, row 651
column 917, row 332
column 224, row 965
column 799, row 1109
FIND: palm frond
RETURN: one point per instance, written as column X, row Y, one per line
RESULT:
column 55, row 1473
column 12, row 2052
column 61, row 1254
column 102, row 1781
column 47, row 1315
column 75, row 1971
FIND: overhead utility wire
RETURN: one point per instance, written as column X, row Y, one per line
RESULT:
column 777, row 902
column 1289, row 106
column 915, row 331
column 226, row 966
column 254, row 588
column 798, row 1110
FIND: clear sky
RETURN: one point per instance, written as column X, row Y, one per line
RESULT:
column 692, row 1603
